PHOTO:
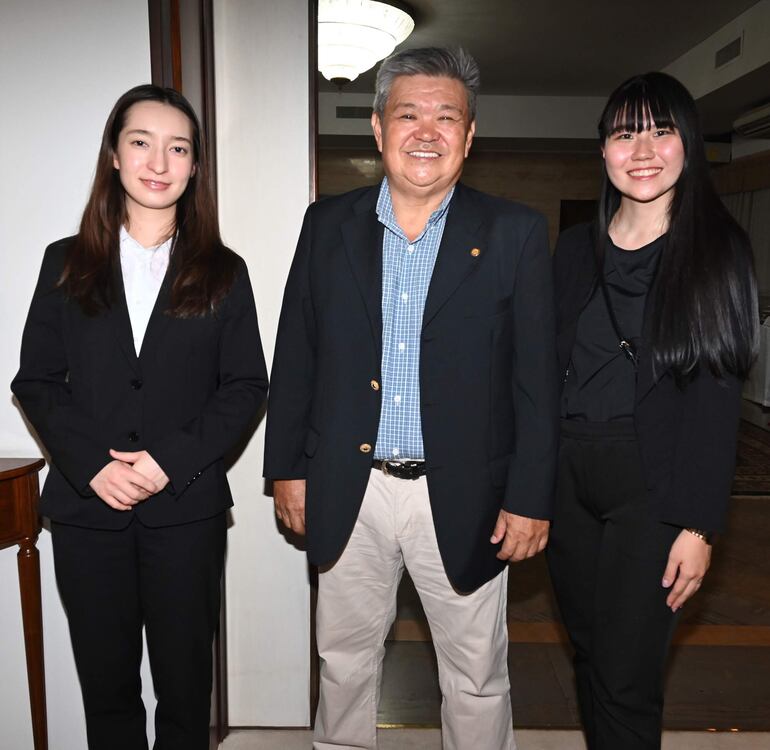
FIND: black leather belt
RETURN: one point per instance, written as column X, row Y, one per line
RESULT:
column 400, row 469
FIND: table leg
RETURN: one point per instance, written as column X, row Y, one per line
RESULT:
column 32, row 616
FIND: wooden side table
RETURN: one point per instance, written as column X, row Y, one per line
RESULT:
column 20, row 524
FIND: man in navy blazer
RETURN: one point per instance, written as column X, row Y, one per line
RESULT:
column 412, row 420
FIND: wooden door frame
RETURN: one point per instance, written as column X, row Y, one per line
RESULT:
column 167, row 70
column 166, row 64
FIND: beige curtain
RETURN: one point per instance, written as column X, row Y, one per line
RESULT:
column 752, row 211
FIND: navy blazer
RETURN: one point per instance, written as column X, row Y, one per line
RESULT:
column 488, row 374
column 186, row 399
column 687, row 436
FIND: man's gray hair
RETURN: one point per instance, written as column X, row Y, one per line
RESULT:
column 429, row 61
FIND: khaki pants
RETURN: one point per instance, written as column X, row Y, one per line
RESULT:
column 357, row 605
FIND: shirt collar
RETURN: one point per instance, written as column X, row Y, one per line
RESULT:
column 387, row 216
column 129, row 244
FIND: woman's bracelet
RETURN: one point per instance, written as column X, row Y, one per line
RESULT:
column 702, row 535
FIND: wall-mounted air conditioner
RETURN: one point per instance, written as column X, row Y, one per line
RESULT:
column 754, row 124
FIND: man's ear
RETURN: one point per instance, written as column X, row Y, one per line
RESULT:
column 469, row 137
column 377, row 128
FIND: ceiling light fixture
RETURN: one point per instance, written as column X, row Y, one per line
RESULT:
column 353, row 35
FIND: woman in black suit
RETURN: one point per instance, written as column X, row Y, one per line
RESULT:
column 141, row 366
column 654, row 349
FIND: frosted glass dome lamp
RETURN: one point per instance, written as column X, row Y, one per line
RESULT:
column 353, row 35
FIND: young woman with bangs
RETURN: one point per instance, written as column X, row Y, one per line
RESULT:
column 657, row 329
column 141, row 366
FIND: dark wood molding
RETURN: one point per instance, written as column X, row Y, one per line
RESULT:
column 165, row 43
column 168, row 19
column 156, row 41
column 175, row 44
column 220, row 697
column 312, row 85
column 208, row 87
column 313, row 95
column 169, row 69
column 315, row 661
column 743, row 175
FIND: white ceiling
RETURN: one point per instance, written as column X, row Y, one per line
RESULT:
column 570, row 48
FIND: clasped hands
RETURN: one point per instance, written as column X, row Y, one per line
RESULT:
column 130, row 478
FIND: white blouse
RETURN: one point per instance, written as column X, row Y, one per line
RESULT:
column 143, row 271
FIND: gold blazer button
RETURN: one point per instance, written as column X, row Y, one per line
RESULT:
column 365, row 448
column 475, row 252
column 375, row 385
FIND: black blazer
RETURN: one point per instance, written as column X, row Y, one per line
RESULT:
column 186, row 399
column 687, row 437
column 488, row 374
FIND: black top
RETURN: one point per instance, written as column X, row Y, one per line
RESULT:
column 601, row 380
column 687, row 436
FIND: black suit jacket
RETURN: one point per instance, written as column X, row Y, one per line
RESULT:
column 687, row 437
column 186, row 399
column 488, row 374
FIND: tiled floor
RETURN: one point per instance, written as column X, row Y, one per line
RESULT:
column 430, row 739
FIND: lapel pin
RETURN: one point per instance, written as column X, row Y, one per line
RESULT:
column 475, row 252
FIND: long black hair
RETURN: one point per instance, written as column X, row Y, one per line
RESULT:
column 204, row 268
column 704, row 299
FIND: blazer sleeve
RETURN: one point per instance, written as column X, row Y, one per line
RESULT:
column 531, row 475
column 41, row 385
column 184, row 453
column 294, row 366
column 704, row 458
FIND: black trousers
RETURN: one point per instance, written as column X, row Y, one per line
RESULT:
column 606, row 555
column 114, row 582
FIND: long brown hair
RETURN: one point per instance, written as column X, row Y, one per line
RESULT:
column 204, row 268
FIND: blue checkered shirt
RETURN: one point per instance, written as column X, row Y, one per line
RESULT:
column 406, row 271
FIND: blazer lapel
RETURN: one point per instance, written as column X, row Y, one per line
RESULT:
column 362, row 236
column 457, row 256
column 120, row 319
column 158, row 318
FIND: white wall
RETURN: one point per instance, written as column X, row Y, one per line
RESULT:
column 695, row 68
column 62, row 65
column 262, row 143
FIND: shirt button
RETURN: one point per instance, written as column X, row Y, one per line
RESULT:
column 410, row 249
column 133, row 437
column 395, row 451
column 397, row 399
column 401, row 346
column 136, row 384
column 375, row 385
column 365, row 448
column 404, row 296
